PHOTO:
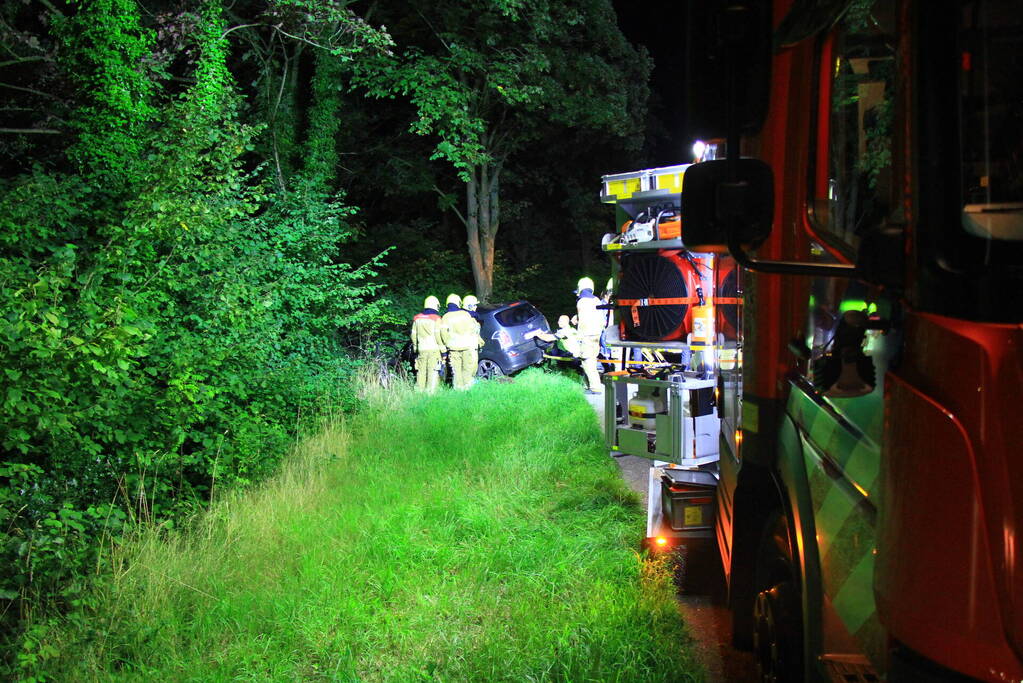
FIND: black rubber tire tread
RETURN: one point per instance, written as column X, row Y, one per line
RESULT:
column 777, row 601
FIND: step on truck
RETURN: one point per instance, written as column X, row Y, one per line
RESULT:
column 869, row 478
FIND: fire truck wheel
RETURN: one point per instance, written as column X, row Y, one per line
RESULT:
column 777, row 611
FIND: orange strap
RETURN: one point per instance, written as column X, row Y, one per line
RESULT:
column 634, row 304
column 717, row 301
column 667, row 301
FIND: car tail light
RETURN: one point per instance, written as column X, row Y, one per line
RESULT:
column 503, row 338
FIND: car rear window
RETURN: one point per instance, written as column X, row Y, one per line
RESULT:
column 516, row 315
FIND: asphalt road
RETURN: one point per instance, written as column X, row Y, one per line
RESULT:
column 706, row 615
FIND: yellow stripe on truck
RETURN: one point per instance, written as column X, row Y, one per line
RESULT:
column 623, row 189
column 670, row 181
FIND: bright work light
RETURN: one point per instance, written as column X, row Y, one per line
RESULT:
column 699, row 149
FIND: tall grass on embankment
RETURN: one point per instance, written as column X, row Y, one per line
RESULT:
column 474, row 536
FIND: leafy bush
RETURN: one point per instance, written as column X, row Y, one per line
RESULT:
column 164, row 326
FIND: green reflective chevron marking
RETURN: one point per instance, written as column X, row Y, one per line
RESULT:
column 855, row 601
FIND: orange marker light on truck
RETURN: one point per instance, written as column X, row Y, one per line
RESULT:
column 661, row 541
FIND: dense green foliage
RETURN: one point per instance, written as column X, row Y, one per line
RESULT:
column 165, row 320
column 196, row 210
column 398, row 550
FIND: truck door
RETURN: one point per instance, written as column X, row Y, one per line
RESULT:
column 836, row 399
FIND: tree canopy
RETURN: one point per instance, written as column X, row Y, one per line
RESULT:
column 490, row 78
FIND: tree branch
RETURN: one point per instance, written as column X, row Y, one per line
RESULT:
column 433, row 30
column 22, row 60
column 28, row 90
column 235, row 28
column 49, row 5
column 44, row 131
column 300, row 38
column 273, row 120
column 454, row 208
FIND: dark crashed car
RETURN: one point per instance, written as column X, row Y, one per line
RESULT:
column 506, row 349
column 504, row 328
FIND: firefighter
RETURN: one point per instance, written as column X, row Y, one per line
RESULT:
column 590, row 323
column 565, row 339
column 427, row 343
column 461, row 335
column 568, row 337
column 470, row 303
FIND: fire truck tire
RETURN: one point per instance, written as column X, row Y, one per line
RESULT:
column 777, row 608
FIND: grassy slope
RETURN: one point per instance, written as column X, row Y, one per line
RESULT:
column 477, row 536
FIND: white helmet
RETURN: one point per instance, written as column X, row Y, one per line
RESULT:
column 584, row 283
column 454, row 299
column 470, row 302
column 431, row 302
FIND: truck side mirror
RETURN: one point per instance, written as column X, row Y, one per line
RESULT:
column 722, row 195
column 728, row 66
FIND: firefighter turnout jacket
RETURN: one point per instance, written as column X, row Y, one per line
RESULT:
column 590, row 319
column 459, row 331
column 426, row 332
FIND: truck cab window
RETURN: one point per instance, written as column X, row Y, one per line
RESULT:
column 991, row 122
column 852, row 194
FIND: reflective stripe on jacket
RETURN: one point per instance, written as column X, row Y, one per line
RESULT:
column 426, row 334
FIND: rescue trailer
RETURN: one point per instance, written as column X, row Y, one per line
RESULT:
column 661, row 401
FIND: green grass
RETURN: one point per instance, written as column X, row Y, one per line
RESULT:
column 474, row 536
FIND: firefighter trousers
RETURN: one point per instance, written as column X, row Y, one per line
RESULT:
column 589, row 350
column 428, row 371
column 463, row 367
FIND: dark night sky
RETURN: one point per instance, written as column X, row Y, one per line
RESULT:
column 658, row 25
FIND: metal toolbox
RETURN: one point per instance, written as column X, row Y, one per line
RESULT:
column 687, row 499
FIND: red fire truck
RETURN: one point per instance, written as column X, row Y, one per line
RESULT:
column 871, row 460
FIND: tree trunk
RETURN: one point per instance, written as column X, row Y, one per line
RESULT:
column 482, row 220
